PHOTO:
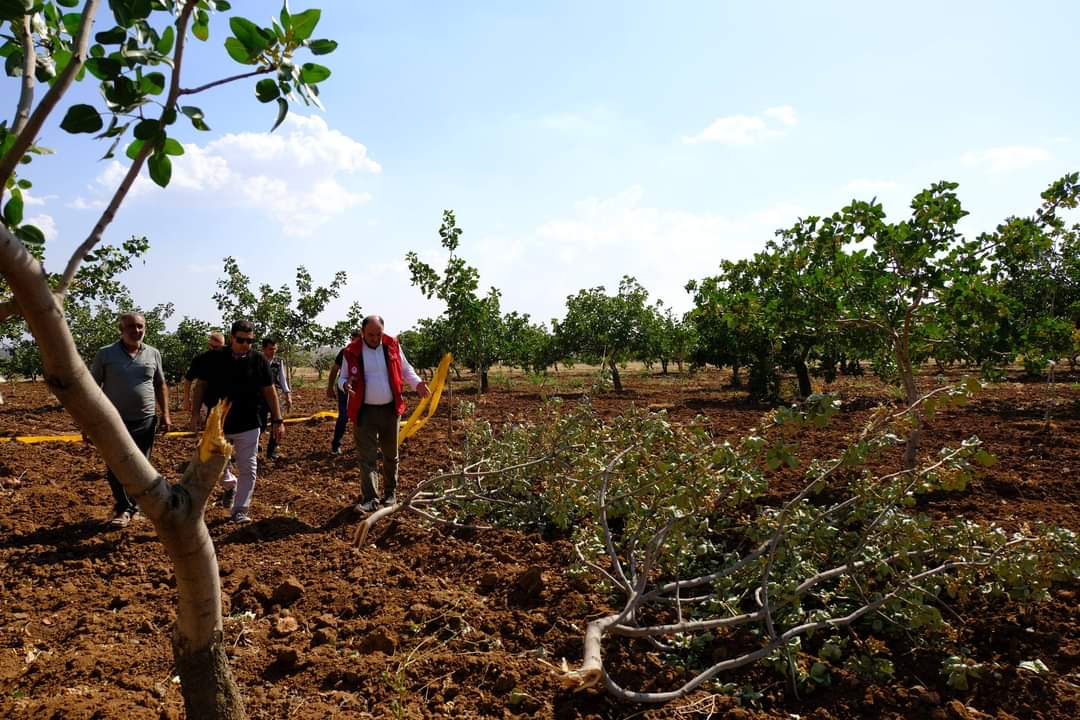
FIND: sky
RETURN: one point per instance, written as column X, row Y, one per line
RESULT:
column 578, row 142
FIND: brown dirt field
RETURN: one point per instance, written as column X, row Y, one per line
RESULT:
column 429, row 623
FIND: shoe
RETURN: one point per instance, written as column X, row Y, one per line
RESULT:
column 390, row 500
column 335, row 451
column 368, row 506
column 240, row 517
column 121, row 519
column 227, row 496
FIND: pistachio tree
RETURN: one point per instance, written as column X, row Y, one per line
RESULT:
column 136, row 59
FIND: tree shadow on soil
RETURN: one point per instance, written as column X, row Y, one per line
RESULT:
column 72, row 542
column 272, row 528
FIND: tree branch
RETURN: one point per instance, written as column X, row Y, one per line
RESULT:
column 9, row 308
column 223, row 81
column 26, row 95
column 136, row 165
column 41, row 113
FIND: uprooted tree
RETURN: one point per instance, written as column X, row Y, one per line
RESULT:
column 137, row 61
column 711, row 571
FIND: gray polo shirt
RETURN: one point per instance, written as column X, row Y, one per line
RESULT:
column 129, row 381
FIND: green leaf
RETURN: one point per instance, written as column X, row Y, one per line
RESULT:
column 222, row 6
column 30, row 235
column 238, row 51
column 254, row 38
column 134, row 149
column 14, row 9
column 172, row 147
column 103, row 68
column 147, row 129
column 283, row 110
column 82, row 119
column 13, row 211
column 312, row 73
column 304, row 23
column 152, row 83
column 201, row 27
column 67, row 3
column 196, row 116
column 165, row 44
column 71, row 22
column 115, row 36
column 160, row 168
column 322, row 47
column 266, row 90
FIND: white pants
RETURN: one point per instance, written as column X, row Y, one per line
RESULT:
column 245, row 455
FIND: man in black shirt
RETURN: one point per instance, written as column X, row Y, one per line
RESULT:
column 215, row 340
column 241, row 375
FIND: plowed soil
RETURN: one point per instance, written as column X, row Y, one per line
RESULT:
column 423, row 622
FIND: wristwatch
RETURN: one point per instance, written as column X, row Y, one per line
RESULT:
column 279, row 421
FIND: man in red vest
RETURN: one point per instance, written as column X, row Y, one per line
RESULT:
column 373, row 373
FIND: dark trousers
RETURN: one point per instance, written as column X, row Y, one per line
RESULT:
column 264, row 423
column 142, row 432
column 342, row 423
column 377, row 429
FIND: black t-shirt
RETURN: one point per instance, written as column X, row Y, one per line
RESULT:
column 340, row 359
column 195, row 371
column 241, row 380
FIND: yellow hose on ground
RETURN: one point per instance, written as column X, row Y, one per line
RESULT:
column 409, row 427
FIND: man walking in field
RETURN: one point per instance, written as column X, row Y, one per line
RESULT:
column 373, row 373
column 240, row 375
column 332, row 391
column 215, row 340
column 131, row 375
column 280, row 379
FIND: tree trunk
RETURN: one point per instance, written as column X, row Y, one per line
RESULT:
column 911, row 395
column 803, row 373
column 176, row 511
column 615, row 379
column 663, row 367
column 483, row 381
column 736, row 379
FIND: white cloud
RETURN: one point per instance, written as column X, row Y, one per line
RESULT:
column 747, row 129
column 295, row 175
column 81, row 203
column 1006, row 159
column 45, row 224
column 30, row 199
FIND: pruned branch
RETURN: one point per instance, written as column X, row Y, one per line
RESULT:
column 8, row 309
column 26, row 93
column 32, row 127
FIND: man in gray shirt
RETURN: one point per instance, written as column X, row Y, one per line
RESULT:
column 131, row 376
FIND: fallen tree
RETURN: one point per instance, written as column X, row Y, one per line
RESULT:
column 704, row 557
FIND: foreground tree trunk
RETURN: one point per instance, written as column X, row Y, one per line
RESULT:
column 176, row 510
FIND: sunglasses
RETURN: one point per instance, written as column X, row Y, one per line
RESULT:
column 243, row 340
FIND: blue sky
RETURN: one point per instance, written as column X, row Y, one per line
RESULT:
column 581, row 141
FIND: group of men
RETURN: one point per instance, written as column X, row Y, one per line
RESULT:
column 368, row 381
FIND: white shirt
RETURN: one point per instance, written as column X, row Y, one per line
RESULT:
column 376, row 376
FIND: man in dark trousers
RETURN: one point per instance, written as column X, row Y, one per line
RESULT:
column 280, row 378
column 332, row 392
column 373, row 373
column 130, row 374
column 215, row 340
column 241, row 375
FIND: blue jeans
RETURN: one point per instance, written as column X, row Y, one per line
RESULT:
column 342, row 419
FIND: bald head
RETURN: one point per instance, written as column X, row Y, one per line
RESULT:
column 372, row 330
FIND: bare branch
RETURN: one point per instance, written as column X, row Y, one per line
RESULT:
column 41, row 113
column 26, row 94
column 136, row 165
column 223, row 81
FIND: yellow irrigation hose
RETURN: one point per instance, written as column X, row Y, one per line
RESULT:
column 408, row 428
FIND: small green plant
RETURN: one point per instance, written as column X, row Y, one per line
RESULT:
column 960, row 670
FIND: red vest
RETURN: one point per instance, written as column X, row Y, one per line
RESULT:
column 355, row 358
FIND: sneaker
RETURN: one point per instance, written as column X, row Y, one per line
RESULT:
column 368, row 506
column 335, row 451
column 240, row 517
column 121, row 519
column 390, row 500
column 227, row 496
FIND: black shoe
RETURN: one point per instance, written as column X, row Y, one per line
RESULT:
column 227, row 496
column 390, row 500
column 368, row 506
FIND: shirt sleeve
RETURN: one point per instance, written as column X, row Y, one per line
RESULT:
column 159, row 368
column 284, row 378
column 97, row 368
column 340, row 359
column 407, row 373
column 343, row 374
column 263, row 375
